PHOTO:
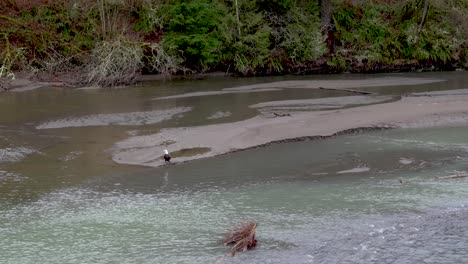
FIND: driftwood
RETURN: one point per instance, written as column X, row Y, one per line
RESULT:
column 348, row 90
column 454, row 176
column 281, row 115
column 241, row 237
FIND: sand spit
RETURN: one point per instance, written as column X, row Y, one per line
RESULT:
column 444, row 92
column 320, row 103
column 224, row 138
column 122, row 119
column 311, row 84
column 207, row 93
column 338, row 84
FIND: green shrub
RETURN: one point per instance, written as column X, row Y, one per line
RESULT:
column 192, row 33
column 302, row 39
column 381, row 33
column 150, row 17
column 245, row 45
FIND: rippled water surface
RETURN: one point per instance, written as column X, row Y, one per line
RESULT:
column 310, row 205
column 371, row 197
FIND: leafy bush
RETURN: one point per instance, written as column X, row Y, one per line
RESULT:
column 150, row 16
column 9, row 58
column 249, row 49
column 384, row 33
column 302, row 40
column 192, row 32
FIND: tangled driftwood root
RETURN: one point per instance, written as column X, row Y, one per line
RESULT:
column 241, row 237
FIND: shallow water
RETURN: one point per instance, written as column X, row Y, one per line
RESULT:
column 337, row 200
column 308, row 212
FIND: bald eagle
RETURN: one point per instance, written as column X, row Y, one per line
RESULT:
column 166, row 157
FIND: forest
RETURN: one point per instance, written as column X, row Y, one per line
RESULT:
column 110, row 42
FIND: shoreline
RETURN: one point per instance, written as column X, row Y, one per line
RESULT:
column 26, row 81
column 262, row 130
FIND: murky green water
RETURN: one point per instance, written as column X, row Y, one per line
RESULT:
column 337, row 200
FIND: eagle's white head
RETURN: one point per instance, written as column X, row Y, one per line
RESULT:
column 166, row 152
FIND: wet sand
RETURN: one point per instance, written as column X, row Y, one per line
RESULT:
column 421, row 110
column 344, row 85
column 320, row 104
column 207, row 93
column 24, row 82
column 338, row 84
column 123, row 119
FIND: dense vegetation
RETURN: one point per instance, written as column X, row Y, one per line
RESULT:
column 109, row 41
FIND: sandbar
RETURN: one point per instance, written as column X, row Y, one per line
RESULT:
column 411, row 111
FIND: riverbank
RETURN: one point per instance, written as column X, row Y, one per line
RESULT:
column 27, row 81
column 413, row 110
column 250, row 38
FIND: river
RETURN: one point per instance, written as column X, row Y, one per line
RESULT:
column 369, row 197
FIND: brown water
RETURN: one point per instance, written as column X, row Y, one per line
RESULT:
column 62, row 200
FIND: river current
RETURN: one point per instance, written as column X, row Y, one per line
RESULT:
column 371, row 197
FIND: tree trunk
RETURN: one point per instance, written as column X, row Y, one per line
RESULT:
column 102, row 13
column 237, row 16
column 423, row 19
column 327, row 29
column 325, row 13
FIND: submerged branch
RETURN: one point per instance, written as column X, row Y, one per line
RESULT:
column 454, row 176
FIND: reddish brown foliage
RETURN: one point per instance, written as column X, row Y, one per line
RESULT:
column 13, row 7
